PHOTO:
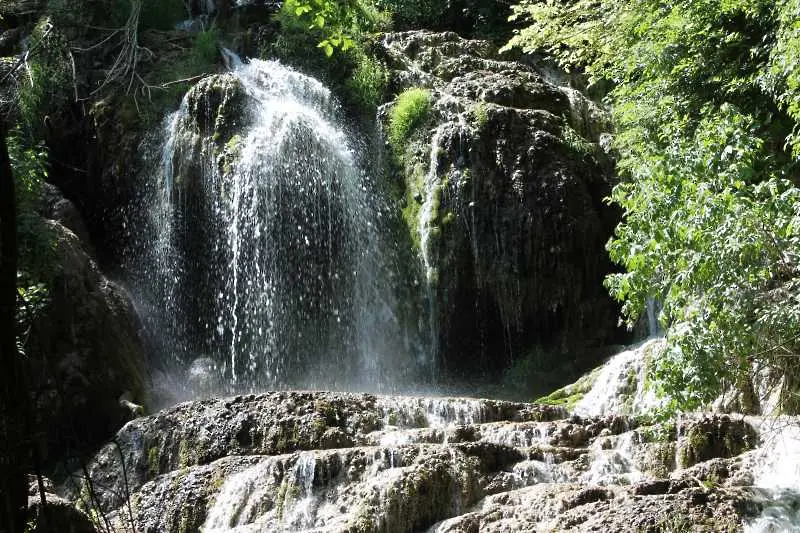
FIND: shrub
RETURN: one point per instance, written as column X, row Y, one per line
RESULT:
column 367, row 85
column 409, row 112
column 29, row 165
column 205, row 49
column 45, row 85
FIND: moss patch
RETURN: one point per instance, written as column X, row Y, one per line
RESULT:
column 570, row 395
column 409, row 112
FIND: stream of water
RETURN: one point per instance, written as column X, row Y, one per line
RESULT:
column 267, row 254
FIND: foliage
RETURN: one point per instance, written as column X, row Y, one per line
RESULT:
column 338, row 23
column 354, row 72
column 369, row 80
column 705, row 104
column 29, row 165
column 409, row 112
column 205, row 49
column 46, row 79
column 480, row 115
column 155, row 14
column 469, row 18
column 161, row 14
column 35, row 240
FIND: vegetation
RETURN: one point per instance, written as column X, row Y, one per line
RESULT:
column 338, row 24
column 409, row 112
column 46, row 79
column 706, row 105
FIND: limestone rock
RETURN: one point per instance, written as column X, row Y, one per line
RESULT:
column 85, row 350
column 504, row 196
column 326, row 462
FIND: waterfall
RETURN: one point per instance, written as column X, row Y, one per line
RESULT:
column 777, row 472
column 265, row 252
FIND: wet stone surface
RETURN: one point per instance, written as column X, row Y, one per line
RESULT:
column 316, row 461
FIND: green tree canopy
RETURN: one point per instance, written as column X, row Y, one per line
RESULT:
column 706, row 104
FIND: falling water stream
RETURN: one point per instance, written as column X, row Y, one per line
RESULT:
column 267, row 254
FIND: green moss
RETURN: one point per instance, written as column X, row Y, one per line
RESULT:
column 570, row 395
column 660, row 459
column 287, row 493
column 184, row 455
column 480, row 116
column 409, row 112
column 694, row 446
column 318, row 426
column 415, row 193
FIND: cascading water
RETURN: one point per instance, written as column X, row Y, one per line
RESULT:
column 266, row 255
column 777, row 473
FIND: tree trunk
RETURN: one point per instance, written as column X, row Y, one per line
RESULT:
column 13, row 478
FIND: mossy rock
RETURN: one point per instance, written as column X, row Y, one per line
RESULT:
column 714, row 436
column 215, row 105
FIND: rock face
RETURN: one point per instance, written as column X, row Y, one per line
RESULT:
column 504, row 197
column 85, row 348
column 303, row 461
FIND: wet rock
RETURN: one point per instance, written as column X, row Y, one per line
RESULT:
column 215, row 105
column 85, row 350
column 57, row 514
column 217, row 464
column 588, row 495
column 504, row 197
column 714, row 436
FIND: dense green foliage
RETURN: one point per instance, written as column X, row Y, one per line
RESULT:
column 338, row 23
column 44, row 89
column 706, row 106
column 29, row 165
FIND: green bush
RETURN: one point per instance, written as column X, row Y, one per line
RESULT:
column 161, row 14
column 409, row 112
column 45, row 86
column 205, row 49
column 469, row 18
column 367, row 84
column 29, row 165
column 706, row 122
column 155, row 14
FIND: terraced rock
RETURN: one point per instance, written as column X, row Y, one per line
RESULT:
column 315, row 461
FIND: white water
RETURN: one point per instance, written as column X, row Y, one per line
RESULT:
column 267, row 255
column 777, row 471
column 619, row 388
column 620, row 385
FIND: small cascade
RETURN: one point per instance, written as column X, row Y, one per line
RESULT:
column 264, row 252
column 613, row 465
column 427, row 216
column 524, row 435
column 777, row 473
column 408, row 411
column 302, row 513
column 239, row 499
column 620, row 385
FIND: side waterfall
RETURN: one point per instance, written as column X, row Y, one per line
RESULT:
column 267, row 258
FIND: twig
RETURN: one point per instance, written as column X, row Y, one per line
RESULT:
column 125, row 483
column 184, row 80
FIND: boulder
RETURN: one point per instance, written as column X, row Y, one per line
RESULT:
column 505, row 184
column 85, row 347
